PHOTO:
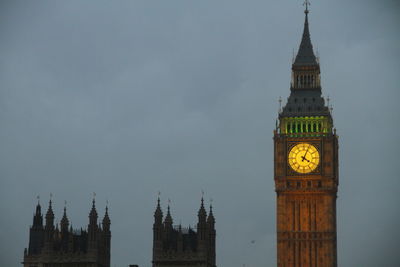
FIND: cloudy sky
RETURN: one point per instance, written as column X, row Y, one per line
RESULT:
column 128, row 98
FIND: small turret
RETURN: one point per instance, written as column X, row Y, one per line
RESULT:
column 202, row 214
column 211, row 237
column 211, row 219
column 168, row 219
column 106, row 221
column 36, row 233
column 202, row 228
column 38, row 218
column 93, row 215
column 50, row 217
column 158, row 214
column 64, row 221
column 92, row 227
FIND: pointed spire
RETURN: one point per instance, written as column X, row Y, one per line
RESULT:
column 37, row 217
column 168, row 219
column 106, row 220
column 64, row 221
column 305, row 55
column 93, row 213
column 202, row 211
column 50, row 215
column 158, row 213
column 211, row 219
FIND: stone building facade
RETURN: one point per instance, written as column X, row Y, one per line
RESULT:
column 306, row 168
column 51, row 246
column 175, row 246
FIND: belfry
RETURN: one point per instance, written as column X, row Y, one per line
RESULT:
column 306, row 167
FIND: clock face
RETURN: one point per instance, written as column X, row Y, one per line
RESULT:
column 303, row 158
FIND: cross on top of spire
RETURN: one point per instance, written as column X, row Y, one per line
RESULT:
column 306, row 4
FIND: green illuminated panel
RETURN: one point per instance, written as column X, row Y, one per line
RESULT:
column 305, row 125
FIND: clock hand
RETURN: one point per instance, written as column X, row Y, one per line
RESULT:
column 304, row 157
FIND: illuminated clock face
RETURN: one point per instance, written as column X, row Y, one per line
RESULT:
column 303, row 158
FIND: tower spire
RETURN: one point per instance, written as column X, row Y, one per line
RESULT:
column 50, row 215
column 37, row 217
column 305, row 55
column 64, row 221
column 93, row 213
column 202, row 214
column 211, row 219
column 168, row 218
column 106, row 220
column 158, row 213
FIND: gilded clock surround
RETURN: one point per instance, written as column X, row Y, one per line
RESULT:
column 303, row 158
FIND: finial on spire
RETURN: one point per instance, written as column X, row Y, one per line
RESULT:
column 94, row 199
column 50, row 200
column 158, row 198
column 280, row 104
column 306, row 4
column 38, row 199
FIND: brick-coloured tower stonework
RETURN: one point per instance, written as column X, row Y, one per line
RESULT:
column 175, row 246
column 306, row 168
column 50, row 246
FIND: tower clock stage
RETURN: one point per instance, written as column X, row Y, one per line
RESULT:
column 303, row 157
column 306, row 168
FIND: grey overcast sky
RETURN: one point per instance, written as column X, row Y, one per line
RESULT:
column 128, row 98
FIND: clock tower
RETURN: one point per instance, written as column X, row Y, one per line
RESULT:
column 306, row 168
